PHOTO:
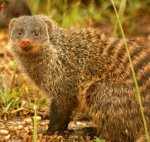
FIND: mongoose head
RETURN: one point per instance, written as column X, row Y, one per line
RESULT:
column 29, row 34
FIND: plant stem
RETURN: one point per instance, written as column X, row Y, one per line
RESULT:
column 133, row 74
column 35, row 123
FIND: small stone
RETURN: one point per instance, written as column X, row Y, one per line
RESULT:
column 3, row 131
column 7, row 137
column 11, row 123
column 20, row 126
column 22, row 123
column 43, row 123
column 28, row 120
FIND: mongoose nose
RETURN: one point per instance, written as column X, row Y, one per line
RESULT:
column 26, row 42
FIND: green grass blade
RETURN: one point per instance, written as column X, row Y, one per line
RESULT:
column 48, row 7
column 35, row 124
column 133, row 73
column 7, row 107
column 35, row 6
column 14, row 77
column 121, row 14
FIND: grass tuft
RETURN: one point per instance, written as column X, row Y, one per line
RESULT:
column 9, row 96
column 98, row 139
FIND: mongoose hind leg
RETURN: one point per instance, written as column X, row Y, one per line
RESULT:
column 142, row 139
column 115, row 110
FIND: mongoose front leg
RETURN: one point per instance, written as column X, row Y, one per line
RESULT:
column 60, row 114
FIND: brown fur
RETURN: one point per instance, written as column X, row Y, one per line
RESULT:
column 71, row 64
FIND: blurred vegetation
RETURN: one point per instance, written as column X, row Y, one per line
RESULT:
column 88, row 12
column 9, row 96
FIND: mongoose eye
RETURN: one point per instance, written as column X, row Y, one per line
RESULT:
column 20, row 31
column 36, row 33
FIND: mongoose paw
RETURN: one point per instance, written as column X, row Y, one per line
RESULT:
column 56, row 128
column 53, row 133
column 48, row 133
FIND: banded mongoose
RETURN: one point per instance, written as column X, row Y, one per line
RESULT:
column 11, row 9
column 74, row 66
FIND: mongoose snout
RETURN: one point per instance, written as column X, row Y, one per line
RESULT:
column 26, row 44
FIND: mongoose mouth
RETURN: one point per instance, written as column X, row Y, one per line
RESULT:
column 26, row 48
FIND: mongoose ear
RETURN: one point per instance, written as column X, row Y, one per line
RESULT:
column 11, row 24
column 49, row 26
